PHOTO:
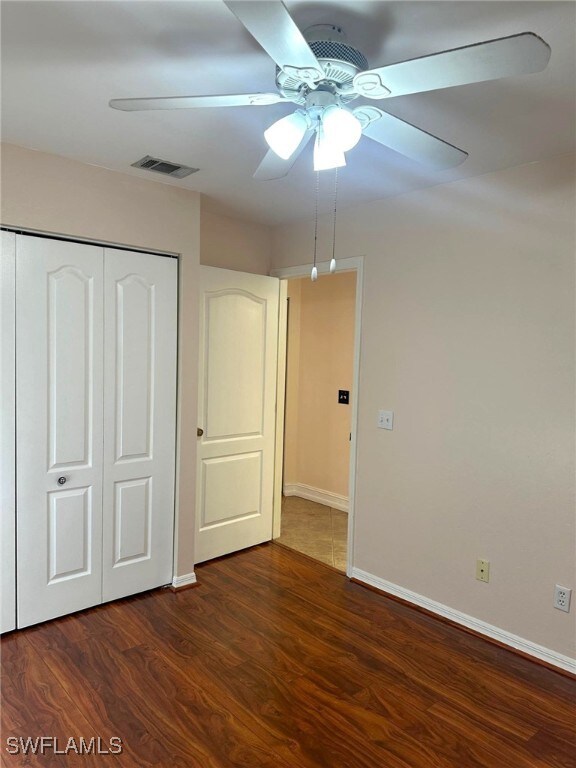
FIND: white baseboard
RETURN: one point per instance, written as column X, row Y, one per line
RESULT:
column 507, row 638
column 184, row 581
column 329, row 499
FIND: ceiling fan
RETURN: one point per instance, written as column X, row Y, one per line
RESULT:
column 322, row 74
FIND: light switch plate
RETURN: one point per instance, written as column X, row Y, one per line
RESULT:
column 385, row 419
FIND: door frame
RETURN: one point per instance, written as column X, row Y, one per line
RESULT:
column 351, row 264
column 8, row 432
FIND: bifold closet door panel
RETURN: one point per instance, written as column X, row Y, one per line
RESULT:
column 59, row 375
column 140, row 333
column 7, row 434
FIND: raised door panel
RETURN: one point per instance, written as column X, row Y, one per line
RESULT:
column 69, row 534
column 241, row 473
column 132, row 520
column 7, row 434
column 70, row 367
column 59, row 320
column 134, row 342
column 140, row 421
column 235, row 365
column 237, row 400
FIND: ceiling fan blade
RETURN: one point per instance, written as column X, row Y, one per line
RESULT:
column 505, row 57
column 192, row 102
column 410, row 141
column 274, row 167
column 269, row 22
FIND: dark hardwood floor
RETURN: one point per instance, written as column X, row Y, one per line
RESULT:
column 275, row 660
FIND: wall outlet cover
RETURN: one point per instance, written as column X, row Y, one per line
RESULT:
column 562, row 597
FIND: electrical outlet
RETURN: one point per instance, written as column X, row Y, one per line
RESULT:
column 483, row 570
column 562, row 598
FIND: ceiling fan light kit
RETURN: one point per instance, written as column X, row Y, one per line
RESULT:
column 337, row 130
column 341, row 127
column 284, row 136
column 319, row 71
column 327, row 155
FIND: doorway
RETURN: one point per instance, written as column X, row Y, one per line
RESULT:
column 252, row 497
column 322, row 334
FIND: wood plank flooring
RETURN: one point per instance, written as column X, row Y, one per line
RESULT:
column 275, row 660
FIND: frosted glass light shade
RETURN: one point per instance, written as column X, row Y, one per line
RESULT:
column 326, row 155
column 284, row 135
column 341, row 127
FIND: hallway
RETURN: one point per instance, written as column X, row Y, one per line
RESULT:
column 315, row 530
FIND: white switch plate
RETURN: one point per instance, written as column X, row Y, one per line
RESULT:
column 385, row 419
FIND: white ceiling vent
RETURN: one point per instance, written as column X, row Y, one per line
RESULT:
column 175, row 170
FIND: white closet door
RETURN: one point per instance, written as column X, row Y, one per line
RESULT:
column 7, row 435
column 59, row 324
column 139, row 421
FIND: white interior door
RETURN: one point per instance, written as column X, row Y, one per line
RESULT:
column 141, row 305
column 7, row 434
column 58, row 426
column 237, row 404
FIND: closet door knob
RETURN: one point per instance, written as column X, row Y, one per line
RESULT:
column 61, row 480
column 199, row 431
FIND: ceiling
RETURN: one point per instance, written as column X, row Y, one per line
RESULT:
column 63, row 61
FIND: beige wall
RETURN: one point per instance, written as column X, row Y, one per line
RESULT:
column 60, row 196
column 230, row 243
column 320, row 362
column 468, row 336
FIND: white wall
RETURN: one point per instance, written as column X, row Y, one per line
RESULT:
column 468, row 336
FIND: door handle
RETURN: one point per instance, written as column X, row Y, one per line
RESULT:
column 199, row 431
column 62, row 480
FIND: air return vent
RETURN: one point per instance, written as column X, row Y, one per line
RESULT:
column 175, row 170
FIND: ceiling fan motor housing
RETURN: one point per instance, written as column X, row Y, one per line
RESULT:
column 340, row 62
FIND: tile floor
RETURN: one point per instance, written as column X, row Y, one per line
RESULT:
column 315, row 530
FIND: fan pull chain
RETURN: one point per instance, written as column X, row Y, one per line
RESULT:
column 333, row 259
column 314, row 273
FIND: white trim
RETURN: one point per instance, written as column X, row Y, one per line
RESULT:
column 303, row 270
column 86, row 240
column 329, row 499
column 178, row 417
column 8, row 433
column 184, row 581
column 359, row 262
column 482, row 627
column 343, row 265
column 280, row 404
